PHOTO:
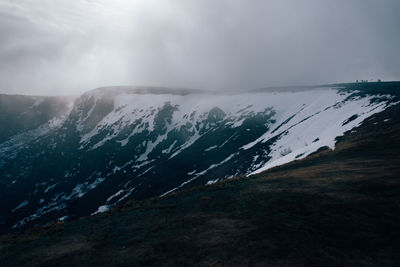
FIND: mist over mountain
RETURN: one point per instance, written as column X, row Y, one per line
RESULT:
column 199, row 133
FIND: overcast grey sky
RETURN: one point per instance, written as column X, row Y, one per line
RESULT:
column 65, row 47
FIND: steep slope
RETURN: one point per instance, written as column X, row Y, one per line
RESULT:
column 332, row 208
column 120, row 143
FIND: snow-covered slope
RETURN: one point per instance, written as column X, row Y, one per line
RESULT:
column 120, row 143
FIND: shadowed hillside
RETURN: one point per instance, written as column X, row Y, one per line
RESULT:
column 338, row 207
column 19, row 113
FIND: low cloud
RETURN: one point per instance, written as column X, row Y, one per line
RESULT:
column 63, row 47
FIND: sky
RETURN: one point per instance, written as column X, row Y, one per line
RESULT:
column 66, row 47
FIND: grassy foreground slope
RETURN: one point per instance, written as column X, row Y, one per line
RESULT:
column 334, row 207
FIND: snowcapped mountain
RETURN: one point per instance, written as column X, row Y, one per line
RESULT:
column 133, row 142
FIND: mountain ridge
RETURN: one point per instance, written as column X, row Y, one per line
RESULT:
column 114, row 144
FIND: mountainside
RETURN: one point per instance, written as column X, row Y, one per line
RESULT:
column 331, row 208
column 122, row 143
column 19, row 113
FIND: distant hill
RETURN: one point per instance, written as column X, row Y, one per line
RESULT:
column 19, row 113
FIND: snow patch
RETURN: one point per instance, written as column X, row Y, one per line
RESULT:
column 23, row 204
column 101, row 209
